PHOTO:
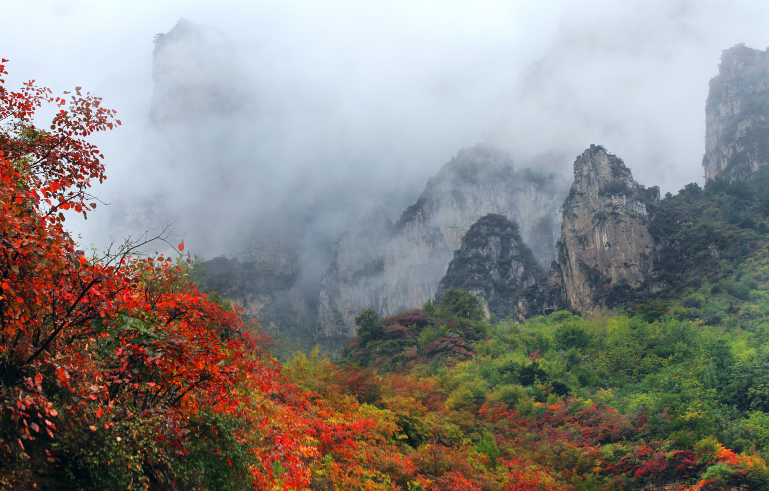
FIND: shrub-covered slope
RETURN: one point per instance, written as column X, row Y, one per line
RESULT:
column 638, row 400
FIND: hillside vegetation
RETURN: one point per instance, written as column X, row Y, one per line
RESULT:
column 117, row 372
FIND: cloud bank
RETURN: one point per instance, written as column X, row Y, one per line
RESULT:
column 336, row 108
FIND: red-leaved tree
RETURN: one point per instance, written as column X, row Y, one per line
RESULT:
column 120, row 359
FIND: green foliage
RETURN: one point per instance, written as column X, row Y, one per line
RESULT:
column 439, row 335
column 488, row 447
column 705, row 233
column 125, row 456
column 128, row 455
column 368, row 325
column 428, row 307
column 217, row 458
column 459, row 303
column 220, row 301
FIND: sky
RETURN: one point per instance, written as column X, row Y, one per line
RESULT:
column 359, row 103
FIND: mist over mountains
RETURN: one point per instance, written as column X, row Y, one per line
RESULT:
column 474, row 209
column 315, row 233
column 212, row 164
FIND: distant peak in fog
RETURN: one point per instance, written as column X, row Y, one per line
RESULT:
column 197, row 75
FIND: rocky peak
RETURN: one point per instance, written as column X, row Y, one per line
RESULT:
column 737, row 115
column 605, row 243
column 197, row 75
column 473, row 165
column 494, row 264
column 401, row 269
column 599, row 173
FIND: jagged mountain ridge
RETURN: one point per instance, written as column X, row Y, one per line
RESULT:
column 607, row 254
column 393, row 267
column 404, row 271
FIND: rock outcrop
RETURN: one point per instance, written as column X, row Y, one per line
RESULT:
column 404, row 270
column 196, row 148
column 605, row 243
column 264, row 284
column 737, row 115
column 493, row 263
column 355, row 275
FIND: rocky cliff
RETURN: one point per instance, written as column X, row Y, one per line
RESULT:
column 605, row 243
column 191, row 158
column 493, row 263
column 355, row 275
column 264, row 283
column 403, row 271
column 737, row 115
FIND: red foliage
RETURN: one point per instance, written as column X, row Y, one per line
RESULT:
column 120, row 338
column 450, row 481
column 395, row 331
column 87, row 344
column 360, row 382
column 409, row 318
column 654, row 467
column 449, row 349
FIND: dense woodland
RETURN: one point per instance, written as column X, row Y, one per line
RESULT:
column 116, row 372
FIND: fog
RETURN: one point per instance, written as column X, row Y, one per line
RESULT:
column 301, row 117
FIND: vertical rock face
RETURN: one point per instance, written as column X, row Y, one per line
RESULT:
column 264, row 284
column 493, row 263
column 355, row 275
column 605, row 243
column 404, row 270
column 196, row 146
column 737, row 115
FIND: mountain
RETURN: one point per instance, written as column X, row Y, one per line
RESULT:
column 286, row 270
column 737, row 115
column 196, row 77
column 605, row 242
column 264, row 283
column 401, row 269
column 493, row 263
column 194, row 144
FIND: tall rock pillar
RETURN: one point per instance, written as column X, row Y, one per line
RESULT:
column 737, row 115
column 605, row 242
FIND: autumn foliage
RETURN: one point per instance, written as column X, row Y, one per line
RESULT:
column 109, row 366
column 116, row 372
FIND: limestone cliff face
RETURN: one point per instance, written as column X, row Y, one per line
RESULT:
column 493, row 263
column 605, row 243
column 264, row 284
column 194, row 146
column 403, row 271
column 737, row 115
column 354, row 277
